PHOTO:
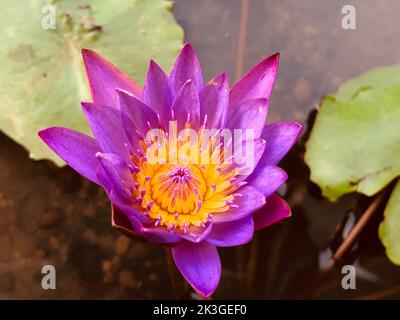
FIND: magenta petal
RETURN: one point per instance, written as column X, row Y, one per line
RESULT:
column 75, row 148
column 257, row 83
column 157, row 92
column 187, row 67
column 274, row 211
column 233, row 233
column 106, row 126
column 104, row 77
column 267, row 179
column 135, row 115
column 214, row 101
column 119, row 179
column 186, row 106
column 160, row 236
column 249, row 114
column 279, row 137
column 200, row 265
column 250, row 201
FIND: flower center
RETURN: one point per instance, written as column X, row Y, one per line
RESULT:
column 182, row 193
column 178, row 188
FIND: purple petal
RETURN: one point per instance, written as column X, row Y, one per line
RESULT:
column 157, row 92
column 233, row 233
column 248, row 162
column 119, row 179
column 257, row 83
column 214, row 101
column 267, row 179
column 105, row 182
column 136, row 116
column 161, row 236
column 104, row 77
column 187, row 104
column 75, row 148
column 200, row 265
column 249, row 114
column 274, row 210
column 128, row 225
column 129, row 208
column 106, row 126
column 186, row 67
column 250, row 201
column 279, row 137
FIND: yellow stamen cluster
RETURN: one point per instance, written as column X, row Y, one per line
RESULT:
column 177, row 193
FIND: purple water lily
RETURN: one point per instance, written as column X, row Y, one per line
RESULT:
column 191, row 209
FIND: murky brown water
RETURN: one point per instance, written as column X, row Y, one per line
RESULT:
column 52, row 216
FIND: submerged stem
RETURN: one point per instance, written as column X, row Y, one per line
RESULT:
column 345, row 246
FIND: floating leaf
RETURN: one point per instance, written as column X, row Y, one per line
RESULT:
column 372, row 79
column 389, row 230
column 345, row 133
column 355, row 144
column 42, row 80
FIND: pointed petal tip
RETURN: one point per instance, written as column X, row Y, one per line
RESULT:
column 42, row 133
column 104, row 76
column 87, row 52
column 187, row 50
column 187, row 47
column 90, row 56
column 186, row 66
column 220, row 79
column 124, row 93
column 223, row 76
column 153, row 65
column 273, row 57
column 86, row 106
column 206, row 294
column 297, row 130
column 257, row 82
column 46, row 134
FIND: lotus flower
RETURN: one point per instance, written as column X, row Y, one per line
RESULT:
column 191, row 209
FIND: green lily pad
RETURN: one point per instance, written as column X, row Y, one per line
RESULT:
column 355, row 144
column 372, row 79
column 42, row 79
column 389, row 230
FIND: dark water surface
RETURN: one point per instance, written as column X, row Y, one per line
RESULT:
column 52, row 216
